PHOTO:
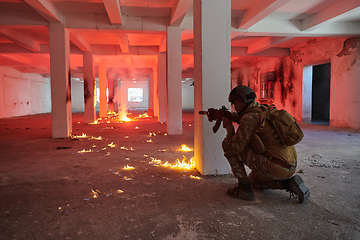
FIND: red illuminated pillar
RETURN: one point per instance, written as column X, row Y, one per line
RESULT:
column 156, row 91
column 162, row 87
column 89, row 88
column 111, row 90
column 151, row 94
column 212, row 80
column 174, row 111
column 102, row 90
column 60, row 81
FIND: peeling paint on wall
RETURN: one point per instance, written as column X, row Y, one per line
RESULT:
column 348, row 45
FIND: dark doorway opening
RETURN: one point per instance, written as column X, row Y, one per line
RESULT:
column 320, row 109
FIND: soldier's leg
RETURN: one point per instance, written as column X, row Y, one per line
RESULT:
column 260, row 178
column 242, row 189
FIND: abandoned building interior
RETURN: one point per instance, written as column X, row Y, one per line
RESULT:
column 69, row 66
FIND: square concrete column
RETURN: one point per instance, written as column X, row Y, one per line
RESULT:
column 60, row 81
column 110, row 83
column 89, row 88
column 102, row 90
column 156, row 91
column 150, row 111
column 174, row 111
column 212, row 22
column 162, row 87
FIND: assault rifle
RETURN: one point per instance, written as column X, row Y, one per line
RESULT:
column 218, row 114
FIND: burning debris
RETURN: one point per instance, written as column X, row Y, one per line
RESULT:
column 85, row 151
column 195, row 177
column 179, row 165
column 185, row 148
column 127, row 167
column 112, row 145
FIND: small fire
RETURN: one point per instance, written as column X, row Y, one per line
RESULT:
column 85, row 151
column 136, row 127
column 149, row 140
column 123, row 147
column 96, row 138
column 83, row 135
column 145, row 115
column 152, row 134
column 125, row 119
column 112, row 145
column 162, row 150
column 95, row 122
column 127, row 179
column 127, row 167
column 179, row 165
column 185, row 148
column 195, row 177
column 95, row 193
column 120, row 191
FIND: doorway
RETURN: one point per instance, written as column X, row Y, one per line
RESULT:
column 316, row 94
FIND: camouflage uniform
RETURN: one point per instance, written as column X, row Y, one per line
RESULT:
column 265, row 173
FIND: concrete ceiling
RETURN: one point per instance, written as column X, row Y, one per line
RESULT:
column 130, row 33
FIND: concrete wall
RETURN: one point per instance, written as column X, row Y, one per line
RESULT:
column 187, row 94
column 344, row 56
column 23, row 93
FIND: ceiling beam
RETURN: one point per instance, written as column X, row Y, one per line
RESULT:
column 331, row 14
column 123, row 42
column 178, row 11
column 264, row 43
column 113, row 10
column 258, row 11
column 78, row 39
column 46, row 9
column 20, row 39
column 271, row 52
column 292, row 29
column 17, row 57
column 100, row 22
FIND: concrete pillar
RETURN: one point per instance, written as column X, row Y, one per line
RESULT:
column 60, row 81
column 212, row 80
column 150, row 111
column 89, row 87
column 174, row 111
column 162, row 87
column 156, row 91
column 111, row 90
column 102, row 90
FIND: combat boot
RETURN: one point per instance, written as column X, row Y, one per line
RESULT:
column 242, row 190
column 296, row 186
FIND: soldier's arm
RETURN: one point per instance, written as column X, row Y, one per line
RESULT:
column 247, row 126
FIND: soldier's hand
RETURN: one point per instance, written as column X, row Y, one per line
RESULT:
column 226, row 122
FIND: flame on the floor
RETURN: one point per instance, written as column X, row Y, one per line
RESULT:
column 179, row 165
column 85, row 151
column 127, row 167
column 185, row 148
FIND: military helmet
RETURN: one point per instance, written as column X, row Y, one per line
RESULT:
column 244, row 93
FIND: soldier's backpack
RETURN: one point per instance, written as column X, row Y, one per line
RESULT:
column 285, row 125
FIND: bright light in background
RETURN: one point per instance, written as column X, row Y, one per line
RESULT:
column 135, row 94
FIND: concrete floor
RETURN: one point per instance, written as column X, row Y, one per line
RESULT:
column 51, row 191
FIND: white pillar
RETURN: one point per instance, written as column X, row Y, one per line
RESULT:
column 102, row 90
column 89, row 88
column 212, row 22
column 111, row 90
column 162, row 87
column 60, row 80
column 174, row 111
